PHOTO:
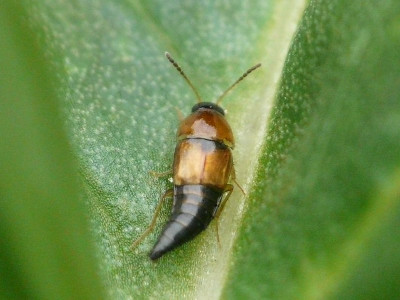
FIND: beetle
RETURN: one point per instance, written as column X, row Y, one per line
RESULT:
column 202, row 170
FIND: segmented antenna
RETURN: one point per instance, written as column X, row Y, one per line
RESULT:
column 236, row 82
column 174, row 63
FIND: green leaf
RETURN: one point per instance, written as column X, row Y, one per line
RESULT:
column 46, row 250
column 120, row 97
column 321, row 199
column 323, row 219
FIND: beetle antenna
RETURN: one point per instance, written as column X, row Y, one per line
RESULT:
column 175, row 64
column 219, row 100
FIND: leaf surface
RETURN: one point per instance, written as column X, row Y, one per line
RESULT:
column 46, row 249
column 321, row 173
column 324, row 212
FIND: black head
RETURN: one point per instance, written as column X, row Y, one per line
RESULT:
column 208, row 105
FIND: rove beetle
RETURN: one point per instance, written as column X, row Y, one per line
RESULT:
column 202, row 169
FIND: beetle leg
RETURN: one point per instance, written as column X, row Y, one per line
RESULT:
column 216, row 232
column 181, row 117
column 233, row 176
column 168, row 193
column 161, row 174
column 229, row 190
column 220, row 208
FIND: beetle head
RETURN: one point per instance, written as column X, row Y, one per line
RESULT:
column 208, row 105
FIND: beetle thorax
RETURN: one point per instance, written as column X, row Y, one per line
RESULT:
column 207, row 124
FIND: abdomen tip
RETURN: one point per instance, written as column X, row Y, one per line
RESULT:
column 155, row 254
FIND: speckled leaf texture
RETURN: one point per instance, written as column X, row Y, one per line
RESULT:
column 46, row 249
column 317, row 130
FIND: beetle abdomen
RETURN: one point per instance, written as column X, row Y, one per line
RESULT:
column 193, row 209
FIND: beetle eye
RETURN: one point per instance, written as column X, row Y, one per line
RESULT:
column 208, row 105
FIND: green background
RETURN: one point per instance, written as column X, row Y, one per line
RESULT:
column 87, row 109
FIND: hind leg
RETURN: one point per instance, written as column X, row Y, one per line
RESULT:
column 228, row 190
column 233, row 176
column 167, row 194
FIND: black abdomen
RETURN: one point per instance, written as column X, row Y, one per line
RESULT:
column 193, row 209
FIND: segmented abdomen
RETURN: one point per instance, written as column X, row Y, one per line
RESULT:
column 193, row 209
